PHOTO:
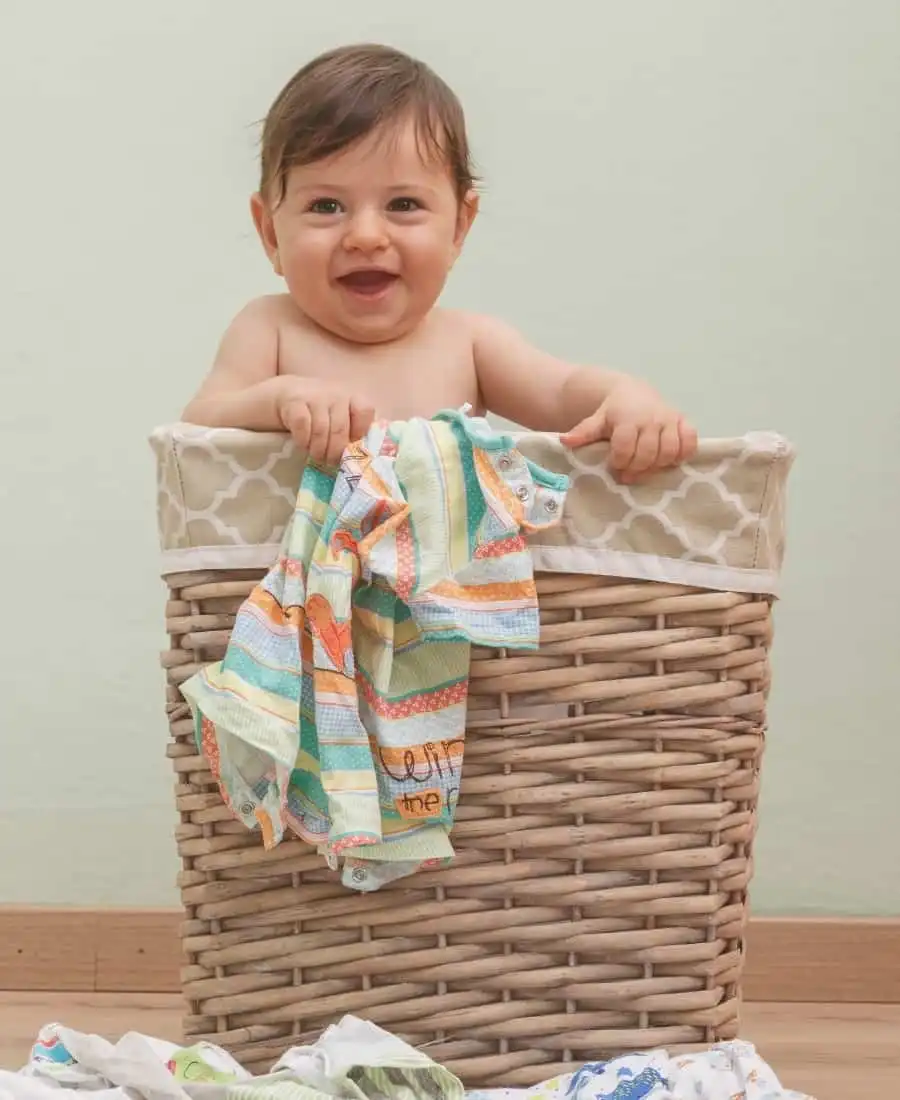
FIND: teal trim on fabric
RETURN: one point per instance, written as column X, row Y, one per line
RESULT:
column 476, row 506
column 493, row 441
column 278, row 681
column 329, row 523
column 547, row 478
column 309, row 742
column 309, row 787
column 318, row 481
column 500, row 441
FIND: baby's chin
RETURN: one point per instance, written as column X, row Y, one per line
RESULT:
column 372, row 330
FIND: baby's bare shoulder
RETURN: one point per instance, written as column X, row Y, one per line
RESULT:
column 459, row 321
column 276, row 321
column 248, row 350
column 273, row 309
column 481, row 329
column 292, row 323
column 455, row 325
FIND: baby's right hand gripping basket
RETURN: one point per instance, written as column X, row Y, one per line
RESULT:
column 598, row 898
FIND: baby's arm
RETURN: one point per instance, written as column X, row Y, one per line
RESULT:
column 585, row 404
column 531, row 387
column 243, row 389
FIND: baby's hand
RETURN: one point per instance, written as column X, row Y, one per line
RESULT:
column 323, row 419
column 645, row 434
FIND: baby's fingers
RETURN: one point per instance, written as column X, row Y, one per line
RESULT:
column 319, row 432
column 687, row 435
column 590, row 430
column 622, row 447
column 646, row 452
column 299, row 424
column 362, row 416
column 339, row 433
column 669, row 446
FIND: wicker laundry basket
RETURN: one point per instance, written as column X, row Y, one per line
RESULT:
column 598, row 899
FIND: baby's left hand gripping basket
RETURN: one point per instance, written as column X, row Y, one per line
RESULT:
column 598, row 897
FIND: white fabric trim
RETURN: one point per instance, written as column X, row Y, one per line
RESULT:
column 652, row 567
column 550, row 559
column 197, row 559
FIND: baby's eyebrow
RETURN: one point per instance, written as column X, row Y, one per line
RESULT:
column 411, row 187
column 327, row 188
column 322, row 188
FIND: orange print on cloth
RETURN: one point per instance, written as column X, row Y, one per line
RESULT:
column 334, row 636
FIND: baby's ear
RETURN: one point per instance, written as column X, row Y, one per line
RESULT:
column 468, row 211
column 262, row 219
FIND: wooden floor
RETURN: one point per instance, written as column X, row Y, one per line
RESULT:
column 831, row 1052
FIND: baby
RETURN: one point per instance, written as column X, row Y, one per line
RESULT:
column 366, row 198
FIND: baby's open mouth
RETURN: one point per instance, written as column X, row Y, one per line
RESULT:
column 369, row 282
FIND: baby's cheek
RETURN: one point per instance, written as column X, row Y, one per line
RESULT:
column 309, row 266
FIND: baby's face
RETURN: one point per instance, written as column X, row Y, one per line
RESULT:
column 365, row 239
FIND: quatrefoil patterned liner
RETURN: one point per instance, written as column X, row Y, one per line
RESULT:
column 224, row 497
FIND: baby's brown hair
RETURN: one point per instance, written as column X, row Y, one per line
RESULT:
column 346, row 94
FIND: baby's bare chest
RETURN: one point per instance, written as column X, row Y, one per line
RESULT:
column 400, row 381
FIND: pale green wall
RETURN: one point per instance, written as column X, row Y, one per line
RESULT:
column 704, row 190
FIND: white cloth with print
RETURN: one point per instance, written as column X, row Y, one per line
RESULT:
column 729, row 1071
column 356, row 1060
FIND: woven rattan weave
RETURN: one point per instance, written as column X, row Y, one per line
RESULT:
column 598, row 898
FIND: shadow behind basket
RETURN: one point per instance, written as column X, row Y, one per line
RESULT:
column 598, row 899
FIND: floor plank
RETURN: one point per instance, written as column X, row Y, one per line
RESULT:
column 60, row 949
column 831, row 1052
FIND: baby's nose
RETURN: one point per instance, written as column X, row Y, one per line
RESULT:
column 366, row 231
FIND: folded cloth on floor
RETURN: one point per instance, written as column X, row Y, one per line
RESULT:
column 729, row 1071
column 352, row 1059
column 358, row 1060
column 63, row 1059
column 339, row 708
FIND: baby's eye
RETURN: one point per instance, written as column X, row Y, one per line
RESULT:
column 404, row 205
column 325, row 206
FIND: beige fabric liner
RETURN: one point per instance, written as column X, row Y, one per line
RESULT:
column 225, row 495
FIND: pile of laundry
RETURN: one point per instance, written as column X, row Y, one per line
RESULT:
column 359, row 1061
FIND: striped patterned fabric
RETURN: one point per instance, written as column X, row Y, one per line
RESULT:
column 339, row 709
